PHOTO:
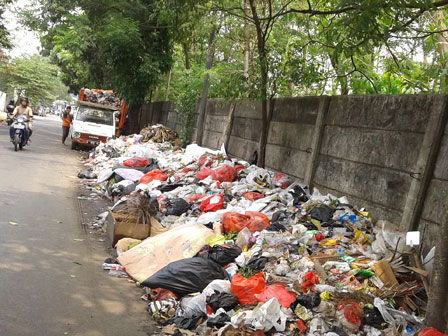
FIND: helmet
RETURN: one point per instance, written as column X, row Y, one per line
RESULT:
column 24, row 99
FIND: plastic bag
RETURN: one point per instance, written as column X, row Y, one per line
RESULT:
column 284, row 297
column 176, row 207
column 254, row 221
column 352, row 313
column 158, row 294
column 309, row 280
column 186, row 276
column 430, row 332
column 269, row 316
column 221, row 254
column 259, row 177
column 224, row 174
column 308, row 301
column 322, row 213
column 204, row 173
column 195, row 197
column 243, row 238
column 252, row 195
column 227, row 301
column 153, row 175
column 218, row 321
column 212, row 203
column 137, row 162
column 281, row 180
column 246, row 288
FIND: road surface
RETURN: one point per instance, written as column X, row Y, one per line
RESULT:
column 51, row 281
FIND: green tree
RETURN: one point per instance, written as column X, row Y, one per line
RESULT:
column 34, row 77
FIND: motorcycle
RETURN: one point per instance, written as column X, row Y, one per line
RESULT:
column 20, row 131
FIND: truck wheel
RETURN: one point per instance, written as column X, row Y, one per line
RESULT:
column 73, row 146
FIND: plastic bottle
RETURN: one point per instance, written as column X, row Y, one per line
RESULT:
column 115, row 267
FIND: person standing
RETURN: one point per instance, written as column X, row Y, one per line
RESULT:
column 66, row 121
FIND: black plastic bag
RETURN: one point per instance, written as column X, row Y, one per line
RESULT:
column 298, row 194
column 184, row 322
column 186, row 276
column 280, row 221
column 176, row 207
column 322, row 213
column 308, row 301
column 218, row 321
column 253, row 158
column 374, row 318
column 168, row 187
column 224, row 300
column 221, row 254
column 257, row 263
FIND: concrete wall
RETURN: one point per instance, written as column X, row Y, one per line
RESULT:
column 369, row 147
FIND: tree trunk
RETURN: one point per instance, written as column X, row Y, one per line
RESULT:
column 228, row 128
column 187, row 58
column 341, row 79
column 437, row 309
column 168, row 83
column 441, row 38
column 261, row 46
column 246, row 43
column 203, row 101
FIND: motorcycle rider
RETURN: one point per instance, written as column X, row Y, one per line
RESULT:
column 23, row 110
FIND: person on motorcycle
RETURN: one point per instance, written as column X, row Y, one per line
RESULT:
column 23, row 110
column 10, row 109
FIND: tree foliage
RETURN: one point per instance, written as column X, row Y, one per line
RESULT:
column 34, row 77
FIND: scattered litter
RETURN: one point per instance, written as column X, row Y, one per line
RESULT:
column 226, row 248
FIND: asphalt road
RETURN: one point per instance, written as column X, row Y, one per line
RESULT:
column 51, row 281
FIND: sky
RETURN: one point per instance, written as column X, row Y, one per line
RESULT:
column 24, row 42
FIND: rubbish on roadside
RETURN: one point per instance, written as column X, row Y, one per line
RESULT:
column 186, row 276
column 13, row 223
column 234, row 249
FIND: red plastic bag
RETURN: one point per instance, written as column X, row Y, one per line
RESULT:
column 254, row 221
column 281, row 180
column 212, row 203
column 252, row 195
column 204, row 161
column 156, row 174
column 195, row 197
column 284, row 296
column 431, row 332
column 158, row 294
column 238, row 168
column 224, row 174
column 246, row 288
column 204, row 173
column 309, row 280
column 301, row 326
column 352, row 311
column 136, row 162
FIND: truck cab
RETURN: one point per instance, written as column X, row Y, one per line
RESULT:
column 92, row 124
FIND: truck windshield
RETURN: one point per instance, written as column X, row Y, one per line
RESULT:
column 95, row 116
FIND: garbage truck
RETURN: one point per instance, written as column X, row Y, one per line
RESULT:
column 98, row 115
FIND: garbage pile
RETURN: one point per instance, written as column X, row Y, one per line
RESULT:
column 104, row 97
column 158, row 133
column 233, row 249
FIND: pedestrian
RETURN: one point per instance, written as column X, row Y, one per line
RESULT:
column 66, row 121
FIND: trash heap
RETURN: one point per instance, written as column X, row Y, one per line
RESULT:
column 104, row 97
column 158, row 133
column 234, row 249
